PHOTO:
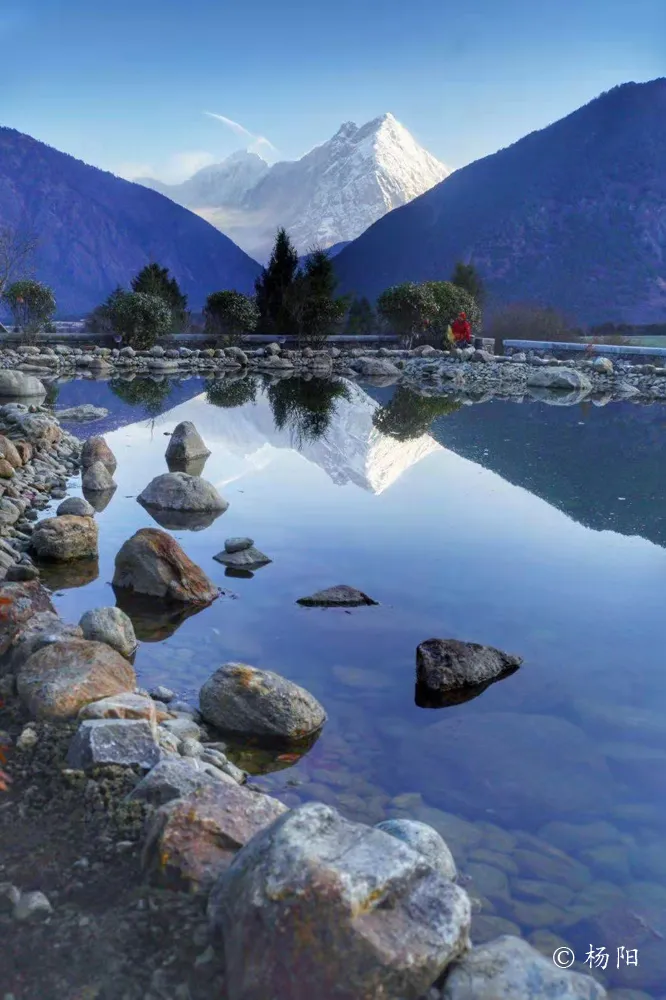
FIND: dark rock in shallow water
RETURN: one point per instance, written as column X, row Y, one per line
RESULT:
column 244, row 559
column 341, row 596
column 444, row 665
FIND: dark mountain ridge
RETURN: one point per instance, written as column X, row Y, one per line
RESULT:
column 96, row 230
column 572, row 216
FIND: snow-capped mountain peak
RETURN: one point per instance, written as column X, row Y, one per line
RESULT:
column 330, row 195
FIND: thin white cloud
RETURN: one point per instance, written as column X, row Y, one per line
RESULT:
column 179, row 167
column 257, row 140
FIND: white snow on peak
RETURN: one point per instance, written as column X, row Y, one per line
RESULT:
column 330, row 195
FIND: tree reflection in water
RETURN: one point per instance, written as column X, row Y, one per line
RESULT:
column 305, row 406
column 409, row 415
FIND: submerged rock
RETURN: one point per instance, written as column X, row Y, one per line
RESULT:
column 186, row 444
column 317, row 906
column 341, row 596
column 242, row 699
column 77, row 506
column 65, row 537
column 125, row 742
column 177, row 491
column 15, row 383
column 510, row 969
column 192, row 840
column 443, row 664
column 153, row 563
column 112, row 626
column 97, row 479
column 61, row 677
column 96, row 449
column 514, row 763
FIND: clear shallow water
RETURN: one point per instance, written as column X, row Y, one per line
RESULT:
column 559, row 558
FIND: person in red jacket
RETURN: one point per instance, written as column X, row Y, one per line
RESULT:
column 462, row 330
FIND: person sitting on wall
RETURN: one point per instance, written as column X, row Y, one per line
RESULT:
column 462, row 330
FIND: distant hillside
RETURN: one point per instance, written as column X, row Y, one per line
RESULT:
column 96, row 230
column 572, row 216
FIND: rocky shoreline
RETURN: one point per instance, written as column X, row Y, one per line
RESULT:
column 470, row 373
column 298, row 902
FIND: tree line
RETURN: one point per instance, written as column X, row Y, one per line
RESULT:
column 292, row 297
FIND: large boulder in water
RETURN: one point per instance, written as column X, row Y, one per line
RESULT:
column 96, row 449
column 177, row 491
column 60, row 678
column 317, row 906
column 445, row 664
column 242, row 699
column 510, row 969
column 515, row 764
column 14, row 383
column 65, row 537
column 97, row 479
column 186, row 444
column 153, row 563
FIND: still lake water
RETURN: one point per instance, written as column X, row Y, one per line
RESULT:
column 538, row 529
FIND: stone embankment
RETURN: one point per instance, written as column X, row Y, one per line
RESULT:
column 302, row 902
column 476, row 374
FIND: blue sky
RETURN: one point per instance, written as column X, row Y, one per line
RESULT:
column 125, row 85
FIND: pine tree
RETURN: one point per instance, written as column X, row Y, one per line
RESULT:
column 314, row 308
column 155, row 280
column 273, row 285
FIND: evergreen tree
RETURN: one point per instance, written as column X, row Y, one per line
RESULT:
column 154, row 280
column 273, row 285
column 311, row 300
column 466, row 276
column 361, row 318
